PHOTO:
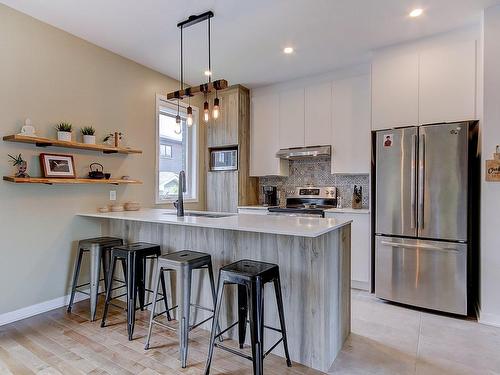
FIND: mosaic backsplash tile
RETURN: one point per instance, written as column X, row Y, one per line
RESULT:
column 316, row 172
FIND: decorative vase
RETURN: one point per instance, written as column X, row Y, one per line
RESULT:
column 89, row 139
column 22, row 167
column 64, row 136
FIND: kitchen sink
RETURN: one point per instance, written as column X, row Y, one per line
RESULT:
column 201, row 214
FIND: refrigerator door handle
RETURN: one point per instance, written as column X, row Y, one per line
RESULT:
column 420, row 247
column 421, row 181
column 413, row 183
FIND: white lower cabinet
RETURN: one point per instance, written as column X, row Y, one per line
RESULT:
column 360, row 246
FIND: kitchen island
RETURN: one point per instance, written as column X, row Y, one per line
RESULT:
column 313, row 255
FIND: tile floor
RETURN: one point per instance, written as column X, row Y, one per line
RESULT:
column 390, row 339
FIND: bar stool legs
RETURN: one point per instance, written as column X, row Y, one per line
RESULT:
column 183, row 263
column 279, row 301
column 99, row 250
column 134, row 256
column 78, row 265
column 250, row 277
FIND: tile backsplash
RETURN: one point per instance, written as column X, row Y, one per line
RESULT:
column 316, row 172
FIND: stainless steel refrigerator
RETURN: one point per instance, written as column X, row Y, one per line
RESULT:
column 423, row 208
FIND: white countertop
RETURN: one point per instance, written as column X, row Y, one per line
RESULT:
column 286, row 225
column 349, row 210
column 256, row 207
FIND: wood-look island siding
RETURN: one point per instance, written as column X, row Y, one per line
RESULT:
column 315, row 278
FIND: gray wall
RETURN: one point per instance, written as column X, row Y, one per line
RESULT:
column 50, row 76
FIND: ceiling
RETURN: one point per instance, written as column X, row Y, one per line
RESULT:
column 248, row 36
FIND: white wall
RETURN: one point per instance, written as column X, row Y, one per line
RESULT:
column 490, row 192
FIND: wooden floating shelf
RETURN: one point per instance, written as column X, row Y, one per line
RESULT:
column 73, row 181
column 45, row 142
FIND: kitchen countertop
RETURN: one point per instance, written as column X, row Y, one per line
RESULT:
column 349, row 210
column 256, row 207
column 285, row 225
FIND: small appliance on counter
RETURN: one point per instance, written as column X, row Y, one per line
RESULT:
column 308, row 201
column 270, row 196
column 224, row 159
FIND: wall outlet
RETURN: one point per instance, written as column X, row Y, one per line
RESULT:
column 112, row 195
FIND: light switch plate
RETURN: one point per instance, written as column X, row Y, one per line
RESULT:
column 112, row 195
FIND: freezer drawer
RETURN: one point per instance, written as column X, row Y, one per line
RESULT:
column 422, row 273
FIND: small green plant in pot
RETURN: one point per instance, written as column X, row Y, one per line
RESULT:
column 64, row 131
column 21, row 164
column 88, row 133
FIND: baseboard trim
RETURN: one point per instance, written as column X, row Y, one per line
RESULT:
column 489, row 319
column 29, row 311
column 361, row 285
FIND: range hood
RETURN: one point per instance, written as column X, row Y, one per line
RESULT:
column 304, row 152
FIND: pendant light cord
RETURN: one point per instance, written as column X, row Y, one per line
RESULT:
column 209, row 55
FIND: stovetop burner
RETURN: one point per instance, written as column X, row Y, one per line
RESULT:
column 309, row 201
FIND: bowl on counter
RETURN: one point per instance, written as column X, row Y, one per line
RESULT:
column 132, row 206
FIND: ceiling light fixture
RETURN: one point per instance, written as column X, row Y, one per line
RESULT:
column 288, row 50
column 205, row 88
column 416, row 12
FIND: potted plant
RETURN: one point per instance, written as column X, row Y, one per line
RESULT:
column 88, row 133
column 21, row 164
column 64, row 131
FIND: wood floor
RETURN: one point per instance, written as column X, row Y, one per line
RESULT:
column 60, row 343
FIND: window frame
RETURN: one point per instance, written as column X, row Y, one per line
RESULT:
column 192, row 168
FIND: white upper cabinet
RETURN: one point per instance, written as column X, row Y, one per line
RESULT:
column 291, row 118
column 318, row 114
column 395, row 89
column 448, row 83
column 351, row 125
column 264, row 135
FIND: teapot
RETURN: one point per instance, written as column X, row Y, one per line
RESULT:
column 96, row 171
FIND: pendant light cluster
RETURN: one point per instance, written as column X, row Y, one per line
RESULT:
column 205, row 88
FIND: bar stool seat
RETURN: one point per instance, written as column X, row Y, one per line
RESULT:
column 99, row 249
column 250, row 276
column 183, row 262
column 135, row 256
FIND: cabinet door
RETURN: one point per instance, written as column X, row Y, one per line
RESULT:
column 222, row 191
column 318, row 114
column 223, row 131
column 351, row 125
column 448, row 83
column 360, row 247
column 395, row 90
column 291, row 118
column 264, row 135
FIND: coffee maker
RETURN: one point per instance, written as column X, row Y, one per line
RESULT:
column 270, row 195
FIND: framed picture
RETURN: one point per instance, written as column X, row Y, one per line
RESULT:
column 58, row 166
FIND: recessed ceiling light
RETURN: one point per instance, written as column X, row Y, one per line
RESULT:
column 288, row 50
column 416, row 12
column 208, row 73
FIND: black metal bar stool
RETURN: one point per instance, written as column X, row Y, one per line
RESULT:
column 99, row 249
column 250, row 276
column 183, row 262
column 135, row 256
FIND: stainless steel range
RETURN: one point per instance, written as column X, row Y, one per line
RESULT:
column 308, row 201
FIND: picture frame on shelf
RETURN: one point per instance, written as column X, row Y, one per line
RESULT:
column 57, row 165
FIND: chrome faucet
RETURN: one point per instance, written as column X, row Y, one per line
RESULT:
column 179, row 203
